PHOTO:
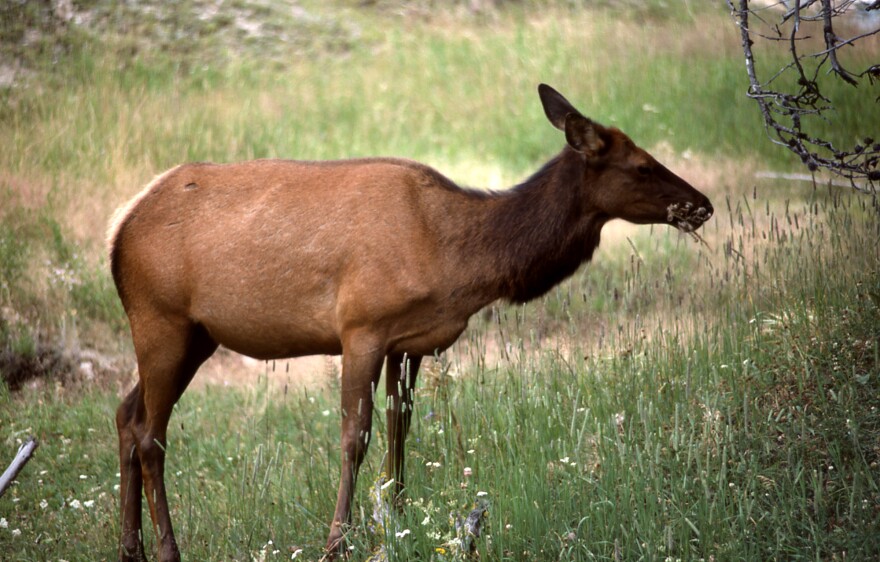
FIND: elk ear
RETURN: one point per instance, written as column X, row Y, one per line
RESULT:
column 556, row 107
column 583, row 135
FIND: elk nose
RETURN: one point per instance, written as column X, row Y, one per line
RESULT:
column 709, row 209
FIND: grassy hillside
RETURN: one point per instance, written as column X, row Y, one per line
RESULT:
column 671, row 401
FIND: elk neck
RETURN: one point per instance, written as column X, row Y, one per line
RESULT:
column 523, row 241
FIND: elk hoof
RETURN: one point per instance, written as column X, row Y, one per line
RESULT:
column 132, row 551
column 335, row 549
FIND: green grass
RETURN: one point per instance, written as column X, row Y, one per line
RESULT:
column 394, row 94
column 670, row 401
column 748, row 429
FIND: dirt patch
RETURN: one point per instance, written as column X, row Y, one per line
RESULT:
column 227, row 368
column 321, row 372
column 47, row 363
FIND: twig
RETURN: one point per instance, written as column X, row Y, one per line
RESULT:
column 832, row 43
column 25, row 452
column 693, row 234
column 801, row 177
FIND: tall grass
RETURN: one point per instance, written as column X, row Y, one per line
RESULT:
column 670, row 401
column 739, row 423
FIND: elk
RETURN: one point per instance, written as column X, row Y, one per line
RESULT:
column 381, row 260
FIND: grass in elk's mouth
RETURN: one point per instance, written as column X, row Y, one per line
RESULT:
column 684, row 216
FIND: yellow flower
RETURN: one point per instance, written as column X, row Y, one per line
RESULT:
column 440, row 550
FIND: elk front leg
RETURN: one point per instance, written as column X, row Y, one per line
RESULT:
column 361, row 366
column 400, row 382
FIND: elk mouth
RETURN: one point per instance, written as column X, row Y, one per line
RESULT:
column 686, row 217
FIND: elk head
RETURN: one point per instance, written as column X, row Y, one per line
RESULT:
column 622, row 180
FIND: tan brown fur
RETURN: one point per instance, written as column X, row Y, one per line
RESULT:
column 382, row 260
column 122, row 212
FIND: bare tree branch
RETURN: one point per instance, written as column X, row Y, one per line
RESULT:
column 832, row 43
column 787, row 111
column 25, row 452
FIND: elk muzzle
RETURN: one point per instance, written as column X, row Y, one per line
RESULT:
column 688, row 217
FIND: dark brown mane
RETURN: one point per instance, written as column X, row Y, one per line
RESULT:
column 540, row 237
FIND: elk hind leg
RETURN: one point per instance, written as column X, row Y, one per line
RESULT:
column 131, row 546
column 167, row 362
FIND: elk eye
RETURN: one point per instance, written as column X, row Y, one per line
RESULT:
column 644, row 170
